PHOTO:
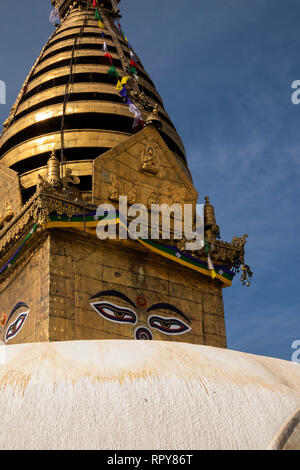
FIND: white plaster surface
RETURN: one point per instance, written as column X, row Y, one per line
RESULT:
column 141, row 395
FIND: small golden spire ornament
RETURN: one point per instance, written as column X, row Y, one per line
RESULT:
column 53, row 171
column 212, row 230
column 153, row 118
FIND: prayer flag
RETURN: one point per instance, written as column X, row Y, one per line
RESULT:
column 113, row 72
column 133, row 64
column 54, row 16
column 119, row 86
column 125, row 80
column 109, row 57
column 97, row 15
column 138, row 124
column 211, row 266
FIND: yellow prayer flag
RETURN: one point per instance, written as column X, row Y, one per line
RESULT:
column 125, row 80
column 101, row 25
column 119, row 86
column 213, row 274
column 211, row 267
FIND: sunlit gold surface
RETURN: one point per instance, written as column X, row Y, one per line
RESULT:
column 70, row 42
column 84, row 68
column 48, row 142
column 75, row 88
column 79, row 107
column 62, row 33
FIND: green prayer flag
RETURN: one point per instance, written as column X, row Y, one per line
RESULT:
column 207, row 247
column 113, row 71
column 97, row 15
column 132, row 70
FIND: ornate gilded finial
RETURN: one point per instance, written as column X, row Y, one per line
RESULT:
column 9, row 213
column 69, row 183
column 209, row 213
column 153, row 118
column 53, row 171
column 240, row 241
column 69, row 179
column 212, row 230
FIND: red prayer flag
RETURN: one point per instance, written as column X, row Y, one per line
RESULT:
column 138, row 125
column 133, row 64
column 109, row 57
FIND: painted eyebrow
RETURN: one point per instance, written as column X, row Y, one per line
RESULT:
column 16, row 307
column 113, row 293
column 168, row 307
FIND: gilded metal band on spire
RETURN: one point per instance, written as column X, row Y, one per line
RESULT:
column 64, row 6
column 68, row 85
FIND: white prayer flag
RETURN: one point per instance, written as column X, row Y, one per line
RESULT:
column 54, row 16
column 209, row 263
column 133, row 109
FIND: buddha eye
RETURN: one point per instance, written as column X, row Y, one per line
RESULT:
column 168, row 326
column 15, row 327
column 114, row 312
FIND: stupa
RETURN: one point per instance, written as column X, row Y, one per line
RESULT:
column 88, row 128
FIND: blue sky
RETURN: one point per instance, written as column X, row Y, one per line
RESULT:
column 224, row 69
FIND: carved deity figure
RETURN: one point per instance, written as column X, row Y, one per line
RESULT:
column 132, row 196
column 149, row 163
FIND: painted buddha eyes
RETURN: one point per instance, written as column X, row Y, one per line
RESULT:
column 15, row 327
column 168, row 326
column 115, row 313
column 120, row 314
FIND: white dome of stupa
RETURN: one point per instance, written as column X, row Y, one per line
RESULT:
column 143, row 395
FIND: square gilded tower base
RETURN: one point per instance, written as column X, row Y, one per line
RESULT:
column 73, row 286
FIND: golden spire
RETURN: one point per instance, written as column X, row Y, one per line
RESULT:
column 76, row 109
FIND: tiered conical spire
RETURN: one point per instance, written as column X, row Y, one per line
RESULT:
column 71, row 105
